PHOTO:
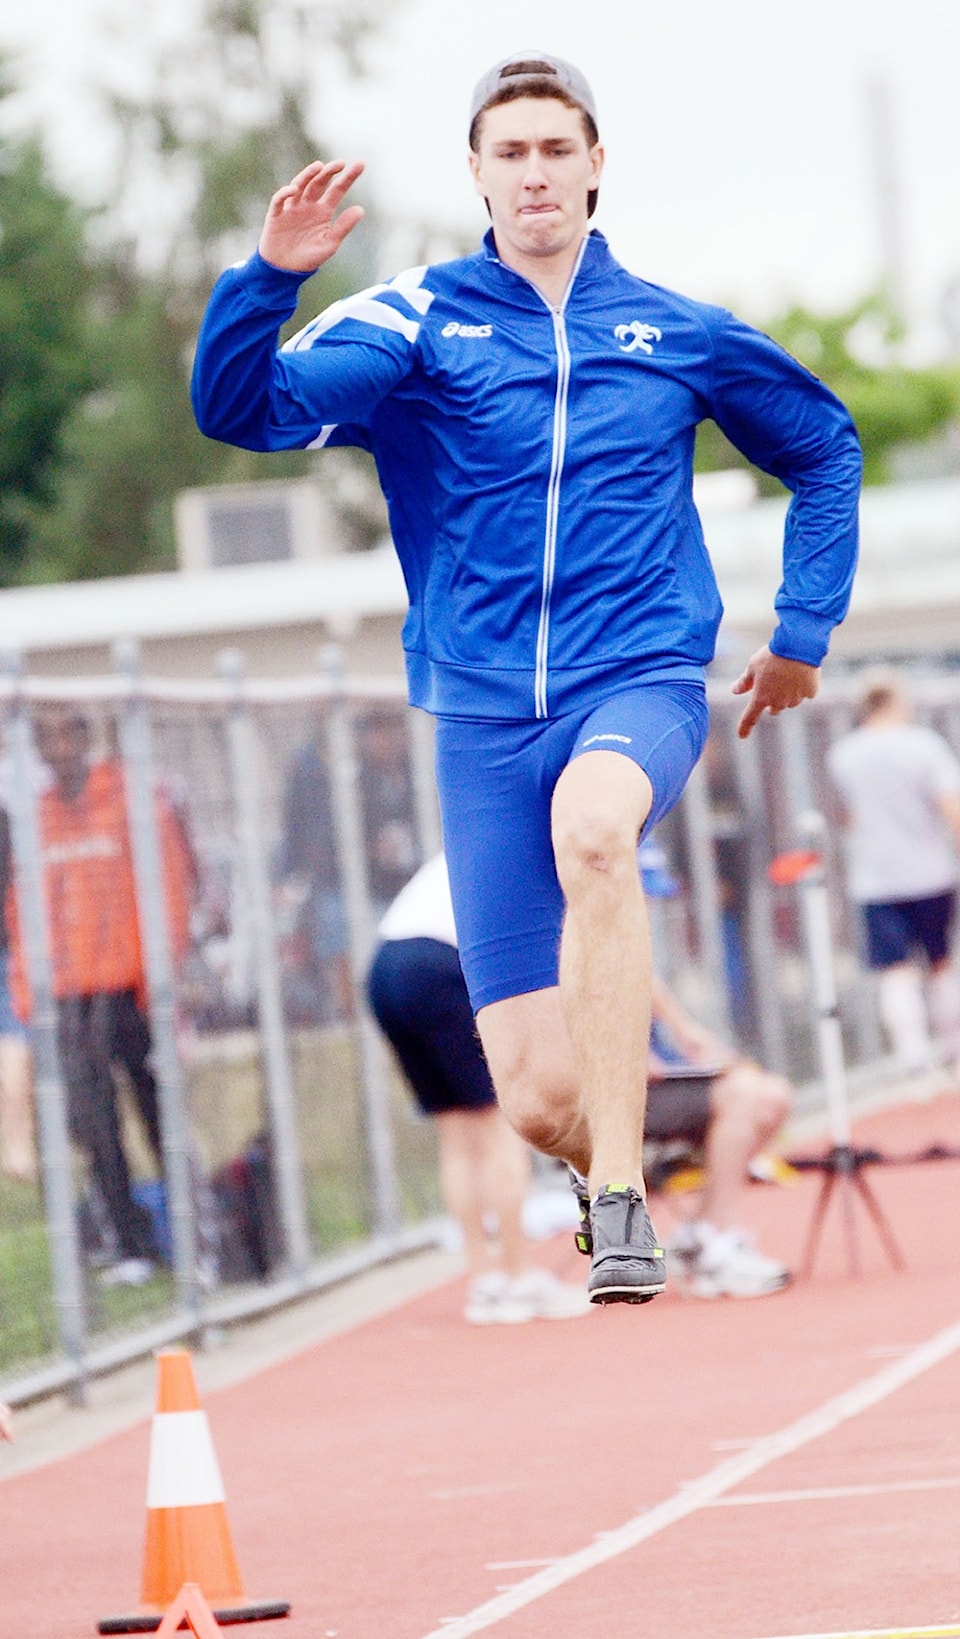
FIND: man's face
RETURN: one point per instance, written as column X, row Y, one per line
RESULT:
column 63, row 741
column 535, row 168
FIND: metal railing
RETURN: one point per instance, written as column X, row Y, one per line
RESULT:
column 270, row 1074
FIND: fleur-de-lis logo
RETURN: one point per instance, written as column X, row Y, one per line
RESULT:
column 636, row 334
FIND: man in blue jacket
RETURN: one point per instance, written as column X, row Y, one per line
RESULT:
column 532, row 411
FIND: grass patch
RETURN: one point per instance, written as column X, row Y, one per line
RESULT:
column 28, row 1329
column 227, row 1104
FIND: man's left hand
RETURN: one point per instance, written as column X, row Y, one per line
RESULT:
column 774, row 685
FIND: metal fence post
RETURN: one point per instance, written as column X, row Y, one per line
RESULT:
column 793, row 728
column 140, row 784
column 49, row 1088
column 695, row 811
column 352, row 854
column 862, row 1016
column 287, row 1159
column 761, row 939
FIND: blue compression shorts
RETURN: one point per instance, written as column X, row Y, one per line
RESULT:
column 496, row 780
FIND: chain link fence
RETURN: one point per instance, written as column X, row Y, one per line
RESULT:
column 196, row 874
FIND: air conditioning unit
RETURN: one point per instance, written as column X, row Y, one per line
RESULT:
column 275, row 521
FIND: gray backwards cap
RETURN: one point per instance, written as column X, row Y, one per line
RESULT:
column 533, row 65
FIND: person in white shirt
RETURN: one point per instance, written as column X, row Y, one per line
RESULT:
column 898, row 783
column 419, row 997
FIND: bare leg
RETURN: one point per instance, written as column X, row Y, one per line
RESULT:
column 18, row 1156
column 484, row 1172
column 530, row 1057
column 748, row 1106
column 600, row 803
column 944, row 995
column 904, row 1014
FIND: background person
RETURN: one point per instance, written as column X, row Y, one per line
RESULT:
column 703, row 1090
column 97, row 964
column 317, row 978
column 387, row 803
column 562, row 605
column 899, row 788
column 419, row 998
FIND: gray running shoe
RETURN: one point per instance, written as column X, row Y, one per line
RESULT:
column 581, row 1189
column 628, row 1262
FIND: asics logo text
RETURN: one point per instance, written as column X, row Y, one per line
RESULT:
column 636, row 334
column 468, row 330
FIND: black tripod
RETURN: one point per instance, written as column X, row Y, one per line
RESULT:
column 843, row 1168
column 842, row 1165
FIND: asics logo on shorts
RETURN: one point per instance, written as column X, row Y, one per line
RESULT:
column 479, row 331
column 622, row 739
column 636, row 334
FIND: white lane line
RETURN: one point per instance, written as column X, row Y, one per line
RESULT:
column 949, row 1632
column 701, row 1492
column 750, row 1499
column 519, row 1564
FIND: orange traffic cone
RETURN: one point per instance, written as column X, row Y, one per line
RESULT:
column 189, row 1607
column 188, row 1537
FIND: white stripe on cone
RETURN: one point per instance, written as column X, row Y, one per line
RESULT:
column 184, row 1472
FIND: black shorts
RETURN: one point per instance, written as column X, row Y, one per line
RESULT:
column 419, row 998
column 898, row 928
column 679, row 1108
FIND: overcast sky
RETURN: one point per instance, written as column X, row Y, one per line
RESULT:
column 742, row 159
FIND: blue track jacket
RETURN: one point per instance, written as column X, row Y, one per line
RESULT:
column 538, row 464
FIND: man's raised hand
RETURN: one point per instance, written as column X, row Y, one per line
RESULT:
column 301, row 230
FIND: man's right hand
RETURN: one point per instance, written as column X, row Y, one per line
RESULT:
column 301, row 230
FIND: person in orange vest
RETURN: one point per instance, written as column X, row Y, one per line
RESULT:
column 97, row 962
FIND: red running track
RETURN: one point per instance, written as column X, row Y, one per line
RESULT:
column 685, row 1470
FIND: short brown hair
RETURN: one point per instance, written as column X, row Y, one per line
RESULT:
column 880, row 688
column 544, row 87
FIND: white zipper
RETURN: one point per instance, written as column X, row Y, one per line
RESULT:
column 553, row 489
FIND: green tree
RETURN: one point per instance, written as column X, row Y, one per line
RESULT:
column 858, row 353
column 226, row 119
column 44, row 364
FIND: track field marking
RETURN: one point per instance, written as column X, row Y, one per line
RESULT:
column 701, row 1492
column 826, row 1493
column 950, row 1632
column 518, row 1564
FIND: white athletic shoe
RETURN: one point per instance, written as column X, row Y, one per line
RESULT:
column 682, row 1251
column 128, row 1272
column 490, row 1302
column 495, row 1300
column 549, row 1298
column 712, row 1263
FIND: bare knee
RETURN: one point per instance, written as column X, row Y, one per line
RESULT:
column 599, row 806
column 541, row 1109
column 532, row 1070
column 595, row 848
column 749, row 1094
